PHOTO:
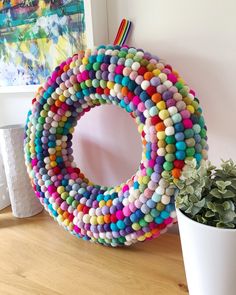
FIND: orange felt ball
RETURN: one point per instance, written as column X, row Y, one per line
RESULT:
column 176, row 173
column 160, row 126
column 148, row 76
column 156, row 97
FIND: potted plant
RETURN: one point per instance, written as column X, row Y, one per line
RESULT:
column 206, row 212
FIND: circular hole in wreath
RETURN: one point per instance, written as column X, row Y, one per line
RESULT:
column 107, row 146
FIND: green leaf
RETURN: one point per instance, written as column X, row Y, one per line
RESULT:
column 200, row 203
column 233, row 183
column 209, row 214
column 211, row 206
column 226, row 205
column 194, row 199
column 215, row 193
column 228, row 194
column 228, row 216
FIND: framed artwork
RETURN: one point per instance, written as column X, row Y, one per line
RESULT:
column 35, row 36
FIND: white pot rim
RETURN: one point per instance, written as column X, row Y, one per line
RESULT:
column 188, row 219
column 15, row 126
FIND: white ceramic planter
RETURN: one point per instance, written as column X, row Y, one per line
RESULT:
column 209, row 257
column 23, row 201
column 4, row 196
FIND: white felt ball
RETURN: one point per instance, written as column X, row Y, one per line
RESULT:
column 168, row 122
column 135, row 66
column 170, row 131
column 172, row 110
column 165, row 199
column 145, row 84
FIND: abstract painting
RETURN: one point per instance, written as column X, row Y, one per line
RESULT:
column 35, row 36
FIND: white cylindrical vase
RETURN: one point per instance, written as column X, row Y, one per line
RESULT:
column 4, row 196
column 22, row 197
column 209, row 257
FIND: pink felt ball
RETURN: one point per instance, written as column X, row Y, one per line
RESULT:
column 85, row 75
column 119, row 215
column 125, row 188
column 54, row 76
column 136, row 100
column 126, row 211
column 119, row 69
column 171, row 77
column 133, row 75
column 79, row 78
column 141, row 107
column 187, row 123
column 185, row 114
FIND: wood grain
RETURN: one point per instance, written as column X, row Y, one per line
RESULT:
column 38, row 257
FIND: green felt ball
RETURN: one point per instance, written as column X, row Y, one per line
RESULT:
column 149, row 171
column 203, row 133
column 95, row 83
column 168, row 166
column 96, row 66
column 169, row 157
column 170, row 139
column 188, row 133
column 190, row 151
column 142, row 223
column 179, row 85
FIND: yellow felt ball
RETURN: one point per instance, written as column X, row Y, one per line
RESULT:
column 145, row 179
column 66, row 222
column 53, row 164
column 156, row 72
column 191, row 109
column 62, row 98
column 100, row 219
column 110, row 84
column 140, row 128
column 64, row 195
column 195, row 104
column 161, row 135
column 118, row 189
column 136, row 226
column 141, row 238
column 93, row 220
column 161, row 105
column 164, row 114
column 60, row 218
column 32, row 150
column 148, row 235
column 72, row 65
column 84, row 60
column 140, row 179
column 102, row 203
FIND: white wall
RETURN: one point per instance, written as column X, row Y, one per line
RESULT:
column 14, row 107
column 198, row 38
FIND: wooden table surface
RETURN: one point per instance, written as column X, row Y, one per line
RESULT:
column 38, row 257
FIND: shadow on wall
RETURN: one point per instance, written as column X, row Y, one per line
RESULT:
column 107, row 146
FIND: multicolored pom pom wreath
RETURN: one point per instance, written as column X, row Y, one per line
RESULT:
column 170, row 123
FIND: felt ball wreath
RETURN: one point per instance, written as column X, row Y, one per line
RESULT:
column 170, row 123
